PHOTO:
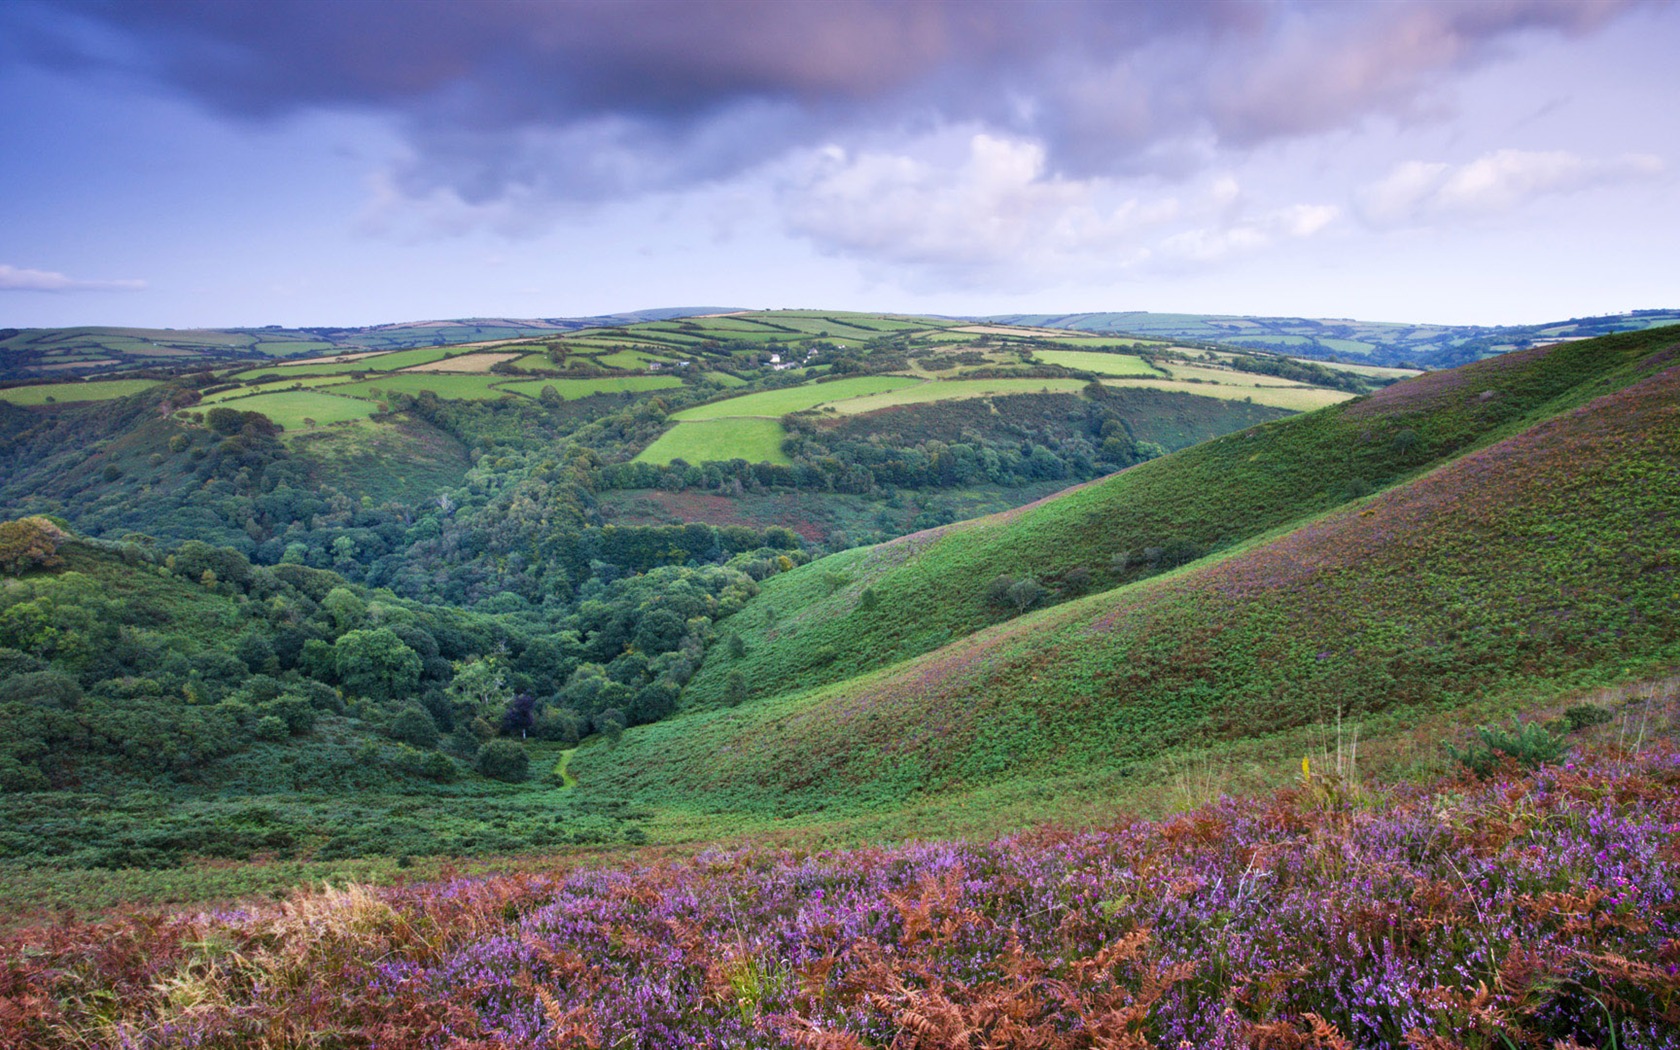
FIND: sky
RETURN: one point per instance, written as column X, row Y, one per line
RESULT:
column 181, row 163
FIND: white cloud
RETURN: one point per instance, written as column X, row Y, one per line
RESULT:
column 20, row 279
column 988, row 212
column 1241, row 236
column 991, row 211
column 1416, row 192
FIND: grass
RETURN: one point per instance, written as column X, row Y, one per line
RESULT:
column 451, row 387
column 629, row 359
column 300, row 383
column 1098, row 363
column 475, row 362
column 777, row 403
column 724, row 379
column 1294, row 398
column 576, row 388
column 751, row 438
column 63, row 393
column 1541, row 563
column 955, row 390
column 292, row 409
column 1226, row 377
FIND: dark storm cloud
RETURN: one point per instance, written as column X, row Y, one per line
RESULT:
column 571, row 98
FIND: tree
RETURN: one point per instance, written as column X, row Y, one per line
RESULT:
column 376, row 664
column 504, row 760
column 30, row 543
column 479, row 690
column 347, row 610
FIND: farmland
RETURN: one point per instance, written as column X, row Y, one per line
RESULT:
column 300, row 409
column 752, row 438
column 97, row 390
column 776, row 403
column 1101, row 364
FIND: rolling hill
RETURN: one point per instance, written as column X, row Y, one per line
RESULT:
column 1343, row 339
column 1521, row 544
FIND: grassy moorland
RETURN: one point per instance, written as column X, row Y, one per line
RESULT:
column 1529, row 910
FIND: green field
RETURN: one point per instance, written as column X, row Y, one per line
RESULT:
column 292, row 408
column 630, row 359
column 1294, row 398
column 300, row 383
column 752, row 438
column 777, row 403
column 1101, row 364
column 576, row 388
column 955, row 389
column 452, row 386
column 724, row 379
column 61, row 393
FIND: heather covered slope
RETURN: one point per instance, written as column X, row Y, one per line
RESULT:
column 1541, row 562
column 1539, row 908
column 862, row 610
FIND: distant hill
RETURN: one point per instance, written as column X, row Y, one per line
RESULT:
column 1372, row 342
column 33, row 353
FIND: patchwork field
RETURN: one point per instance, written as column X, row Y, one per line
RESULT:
column 1294, row 398
column 479, row 362
column 1101, row 364
column 955, row 390
column 777, row 403
column 752, row 438
column 300, row 409
column 63, row 393
column 459, row 387
column 576, row 388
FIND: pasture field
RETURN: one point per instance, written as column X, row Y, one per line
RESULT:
column 291, row 408
column 571, row 389
column 456, row 387
column 724, row 378
column 1225, row 377
column 954, row 389
column 478, row 362
column 752, row 438
column 1101, row 364
column 282, row 347
column 1295, row 398
column 777, row 403
column 300, row 383
column 328, row 360
column 1375, row 371
column 63, row 393
column 630, row 359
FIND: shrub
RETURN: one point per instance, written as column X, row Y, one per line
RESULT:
column 415, row 727
column 504, row 760
column 1529, row 744
column 1580, row 716
column 271, row 727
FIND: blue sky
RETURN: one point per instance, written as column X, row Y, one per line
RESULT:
column 185, row 162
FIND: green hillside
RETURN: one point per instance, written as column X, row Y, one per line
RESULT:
column 1541, row 560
